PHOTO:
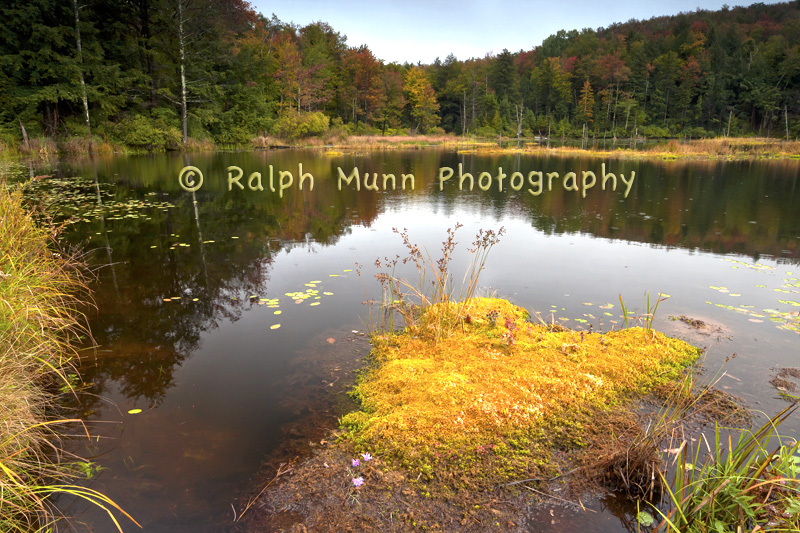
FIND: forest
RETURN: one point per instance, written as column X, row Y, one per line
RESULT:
column 173, row 74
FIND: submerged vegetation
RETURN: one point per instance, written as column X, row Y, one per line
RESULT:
column 40, row 292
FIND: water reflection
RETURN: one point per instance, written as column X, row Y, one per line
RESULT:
column 188, row 283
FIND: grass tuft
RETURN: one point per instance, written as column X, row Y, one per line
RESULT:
column 751, row 485
column 40, row 293
column 432, row 306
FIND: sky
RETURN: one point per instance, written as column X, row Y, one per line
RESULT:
column 422, row 30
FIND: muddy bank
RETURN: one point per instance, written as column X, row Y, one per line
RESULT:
column 428, row 478
column 317, row 493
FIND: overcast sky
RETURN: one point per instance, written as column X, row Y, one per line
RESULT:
column 421, row 30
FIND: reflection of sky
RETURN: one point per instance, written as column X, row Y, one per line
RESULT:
column 227, row 408
column 416, row 30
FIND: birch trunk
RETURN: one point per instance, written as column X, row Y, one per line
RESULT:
column 80, row 69
column 184, row 116
column 786, row 118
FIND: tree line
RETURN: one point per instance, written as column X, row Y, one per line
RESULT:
column 155, row 73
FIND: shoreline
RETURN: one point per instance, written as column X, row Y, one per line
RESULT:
column 314, row 492
column 41, row 294
column 720, row 148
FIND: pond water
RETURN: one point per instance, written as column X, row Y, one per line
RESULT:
column 232, row 319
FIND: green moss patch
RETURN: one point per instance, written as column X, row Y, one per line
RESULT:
column 493, row 400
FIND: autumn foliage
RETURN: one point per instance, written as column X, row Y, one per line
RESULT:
column 701, row 74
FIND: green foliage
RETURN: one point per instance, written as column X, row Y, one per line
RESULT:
column 738, row 487
column 293, row 125
column 152, row 135
column 693, row 75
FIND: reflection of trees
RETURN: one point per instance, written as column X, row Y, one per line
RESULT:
column 707, row 205
column 151, row 337
column 745, row 207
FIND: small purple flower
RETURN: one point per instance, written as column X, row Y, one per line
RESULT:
column 366, row 456
column 355, row 462
column 358, row 481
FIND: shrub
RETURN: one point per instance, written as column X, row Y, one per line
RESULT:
column 140, row 132
column 234, row 135
column 485, row 131
column 293, row 125
column 40, row 146
column 654, row 131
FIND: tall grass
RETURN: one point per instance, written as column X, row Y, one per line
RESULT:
column 727, row 146
column 433, row 304
column 40, row 292
column 648, row 314
column 719, row 486
column 741, row 487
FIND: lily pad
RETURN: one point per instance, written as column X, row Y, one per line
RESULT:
column 644, row 518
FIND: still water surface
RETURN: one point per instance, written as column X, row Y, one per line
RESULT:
column 200, row 324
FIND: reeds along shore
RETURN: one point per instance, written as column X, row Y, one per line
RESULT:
column 716, row 148
column 37, row 320
column 40, row 293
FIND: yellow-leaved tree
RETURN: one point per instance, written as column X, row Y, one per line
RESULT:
column 421, row 100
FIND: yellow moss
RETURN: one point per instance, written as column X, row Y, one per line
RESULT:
column 497, row 380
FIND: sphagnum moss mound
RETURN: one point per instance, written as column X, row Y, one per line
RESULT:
column 492, row 400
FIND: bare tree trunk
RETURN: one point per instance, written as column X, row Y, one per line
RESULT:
column 548, row 131
column 630, row 105
column 583, row 137
column 519, row 109
column 730, row 117
column 184, row 115
column 474, row 87
column 464, row 114
column 616, row 101
column 24, row 135
column 786, row 118
column 80, row 69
